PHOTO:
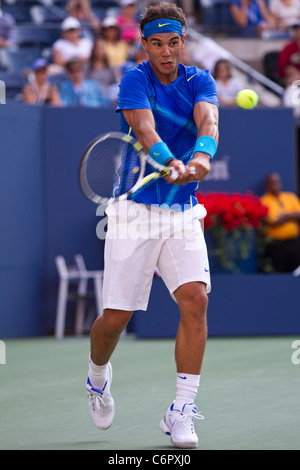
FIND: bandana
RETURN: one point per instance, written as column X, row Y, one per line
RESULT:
column 162, row 26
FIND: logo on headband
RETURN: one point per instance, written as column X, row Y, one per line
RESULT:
column 170, row 26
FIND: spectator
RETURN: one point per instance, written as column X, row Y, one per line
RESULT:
column 285, row 12
column 289, row 57
column 99, row 70
column 81, row 9
column 79, row 91
column 252, row 16
column 283, row 225
column 39, row 90
column 7, row 29
column 127, row 21
column 116, row 49
column 227, row 85
column 70, row 45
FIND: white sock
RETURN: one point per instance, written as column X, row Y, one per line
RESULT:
column 187, row 389
column 97, row 375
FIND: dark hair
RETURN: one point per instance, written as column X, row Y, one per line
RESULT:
column 162, row 10
column 75, row 61
column 217, row 66
column 93, row 53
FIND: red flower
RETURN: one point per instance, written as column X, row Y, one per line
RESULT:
column 232, row 210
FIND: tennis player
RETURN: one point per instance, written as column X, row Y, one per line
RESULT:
column 172, row 110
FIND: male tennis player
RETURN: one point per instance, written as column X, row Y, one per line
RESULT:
column 173, row 112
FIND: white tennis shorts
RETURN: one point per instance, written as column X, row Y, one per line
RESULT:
column 140, row 238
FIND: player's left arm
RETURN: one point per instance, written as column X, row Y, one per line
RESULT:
column 206, row 116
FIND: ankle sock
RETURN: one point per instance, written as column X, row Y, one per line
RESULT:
column 187, row 388
column 97, row 375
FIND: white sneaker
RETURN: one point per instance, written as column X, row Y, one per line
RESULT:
column 180, row 425
column 101, row 403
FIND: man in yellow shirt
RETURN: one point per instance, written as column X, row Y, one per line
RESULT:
column 283, row 225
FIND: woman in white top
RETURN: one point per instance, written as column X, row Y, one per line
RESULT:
column 286, row 12
column 71, row 45
column 227, row 86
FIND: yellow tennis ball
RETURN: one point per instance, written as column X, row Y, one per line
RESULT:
column 247, row 99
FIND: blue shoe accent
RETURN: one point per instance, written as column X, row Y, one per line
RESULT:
column 91, row 388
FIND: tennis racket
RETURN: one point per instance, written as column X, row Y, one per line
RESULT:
column 114, row 166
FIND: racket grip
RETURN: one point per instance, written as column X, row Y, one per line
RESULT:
column 174, row 174
column 192, row 170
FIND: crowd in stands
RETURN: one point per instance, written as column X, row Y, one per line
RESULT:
column 85, row 62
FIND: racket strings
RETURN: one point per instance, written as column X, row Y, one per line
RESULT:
column 113, row 167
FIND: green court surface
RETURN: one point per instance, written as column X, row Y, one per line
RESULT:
column 249, row 395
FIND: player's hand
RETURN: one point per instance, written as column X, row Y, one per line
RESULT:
column 182, row 172
column 199, row 167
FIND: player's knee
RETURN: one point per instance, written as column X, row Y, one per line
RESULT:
column 116, row 321
column 195, row 307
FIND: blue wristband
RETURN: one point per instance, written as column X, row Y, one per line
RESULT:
column 206, row 144
column 160, row 153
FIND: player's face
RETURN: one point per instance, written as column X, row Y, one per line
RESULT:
column 164, row 54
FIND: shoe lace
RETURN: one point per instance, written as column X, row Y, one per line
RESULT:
column 188, row 419
column 96, row 399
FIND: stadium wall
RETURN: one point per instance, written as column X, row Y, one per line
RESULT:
column 44, row 214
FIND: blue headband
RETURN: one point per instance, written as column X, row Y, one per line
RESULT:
column 162, row 26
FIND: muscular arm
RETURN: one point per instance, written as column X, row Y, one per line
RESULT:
column 143, row 124
column 206, row 116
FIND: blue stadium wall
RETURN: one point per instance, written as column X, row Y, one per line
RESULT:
column 44, row 214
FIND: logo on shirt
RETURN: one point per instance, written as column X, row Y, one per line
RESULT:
column 191, row 77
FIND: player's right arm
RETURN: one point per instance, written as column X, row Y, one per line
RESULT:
column 143, row 124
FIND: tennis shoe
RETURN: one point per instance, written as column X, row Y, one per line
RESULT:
column 179, row 424
column 101, row 403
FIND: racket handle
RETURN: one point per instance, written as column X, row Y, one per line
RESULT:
column 174, row 174
column 192, row 170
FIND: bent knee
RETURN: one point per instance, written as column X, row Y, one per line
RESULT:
column 193, row 299
column 115, row 320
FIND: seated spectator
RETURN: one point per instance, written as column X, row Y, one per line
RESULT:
column 71, row 45
column 283, row 225
column 99, row 70
column 116, row 49
column 289, row 57
column 127, row 21
column 252, row 16
column 285, row 12
column 7, row 29
column 291, row 97
column 79, row 91
column 227, row 85
column 39, row 90
column 82, row 10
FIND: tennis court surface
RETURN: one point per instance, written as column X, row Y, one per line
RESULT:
column 249, row 395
